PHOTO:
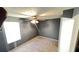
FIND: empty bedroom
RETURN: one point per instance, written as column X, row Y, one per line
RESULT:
column 36, row 29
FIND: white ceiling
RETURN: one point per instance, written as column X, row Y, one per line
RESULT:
column 42, row 12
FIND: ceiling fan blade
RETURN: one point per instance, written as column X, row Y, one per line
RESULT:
column 25, row 20
column 22, row 14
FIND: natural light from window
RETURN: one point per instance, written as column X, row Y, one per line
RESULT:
column 12, row 31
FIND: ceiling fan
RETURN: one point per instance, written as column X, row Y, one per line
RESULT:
column 32, row 19
column 35, row 14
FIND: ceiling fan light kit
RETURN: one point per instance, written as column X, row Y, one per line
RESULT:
column 34, row 21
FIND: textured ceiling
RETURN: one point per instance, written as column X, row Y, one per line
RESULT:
column 42, row 12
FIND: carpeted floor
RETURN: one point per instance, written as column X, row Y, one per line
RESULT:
column 38, row 44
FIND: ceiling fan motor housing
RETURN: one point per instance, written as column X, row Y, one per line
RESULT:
column 35, row 17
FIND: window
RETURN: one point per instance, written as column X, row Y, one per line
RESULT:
column 12, row 31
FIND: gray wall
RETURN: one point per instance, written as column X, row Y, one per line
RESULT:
column 68, row 13
column 49, row 28
column 3, row 41
column 27, row 30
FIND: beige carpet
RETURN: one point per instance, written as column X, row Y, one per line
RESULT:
column 38, row 44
